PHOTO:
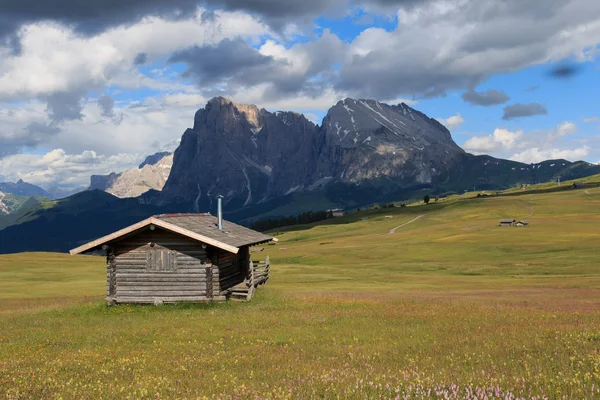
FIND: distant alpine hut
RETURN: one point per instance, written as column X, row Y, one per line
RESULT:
column 181, row 258
column 507, row 222
column 336, row 212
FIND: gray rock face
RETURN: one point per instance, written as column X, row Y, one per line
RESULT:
column 154, row 159
column 242, row 152
column 365, row 139
column 152, row 174
column 103, row 182
column 250, row 155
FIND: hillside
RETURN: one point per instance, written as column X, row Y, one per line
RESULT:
column 449, row 304
column 58, row 225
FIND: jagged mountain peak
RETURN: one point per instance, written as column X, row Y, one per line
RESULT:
column 222, row 115
column 154, row 158
column 352, row 123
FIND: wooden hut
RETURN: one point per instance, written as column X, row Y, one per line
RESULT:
column 180, row 258
column 336, row 212
column 507, row 222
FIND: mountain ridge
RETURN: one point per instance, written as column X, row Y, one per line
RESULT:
column 251, row 155
column 273, row 164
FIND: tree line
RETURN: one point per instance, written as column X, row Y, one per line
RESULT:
column 302, row 218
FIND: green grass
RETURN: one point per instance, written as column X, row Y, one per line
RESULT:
column 449, row 303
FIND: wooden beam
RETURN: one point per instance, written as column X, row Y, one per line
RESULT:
column 112, row 236
column 154, row 221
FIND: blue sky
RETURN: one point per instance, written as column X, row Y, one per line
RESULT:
column 81, row 96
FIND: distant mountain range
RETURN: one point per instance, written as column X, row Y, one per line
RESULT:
column 21, row 188
column 276, row 164
column 24, row 189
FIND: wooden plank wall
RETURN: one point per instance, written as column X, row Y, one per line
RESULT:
column 172, row 270
column 230, row 271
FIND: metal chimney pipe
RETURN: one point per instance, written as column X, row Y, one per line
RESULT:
column 220, row 212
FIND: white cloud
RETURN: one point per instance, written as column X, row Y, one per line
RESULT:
column 259, row 95
column 55, row 58
column 65, row 170
column 590, row 120
column 449, row 44
column 452, row 122
column 535, row 155
column 501, row 139
column 566, row 128
column 138, row 127
column 504, row 140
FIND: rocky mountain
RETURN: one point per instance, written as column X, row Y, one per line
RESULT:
column 274, row 165
column 154, row 158
column 243, row 152
column 364, row 140
column 21, row 188
column 151, row 174
column 365, row 151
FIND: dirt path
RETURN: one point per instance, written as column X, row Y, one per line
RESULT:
column 531, row 210
column 393, row 230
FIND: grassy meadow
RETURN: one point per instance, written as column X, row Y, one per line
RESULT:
column 449, row 306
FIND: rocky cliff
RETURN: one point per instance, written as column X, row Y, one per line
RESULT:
column 243, row 152
column 364, row 151
column 151, row 174
column 251, row 155
column 366, row 140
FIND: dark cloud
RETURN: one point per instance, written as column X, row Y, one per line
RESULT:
column 228, row 60
column 88, row 16
column 532, row 88
column 65, row 106
column 92, row 16
column 490, row 97
column 11, row 41
column 106, row 104
column 381, row 74
column 35, row 128
column 564, row 71
column 16, row 140
column 208, row 16
column 419, row 58
column 140, row 58
column 519, row 110
column 235, row 64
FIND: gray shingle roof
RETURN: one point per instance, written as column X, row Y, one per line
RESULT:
column 201, row 227
column 206, row 225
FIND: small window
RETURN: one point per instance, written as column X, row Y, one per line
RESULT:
column 160, row 259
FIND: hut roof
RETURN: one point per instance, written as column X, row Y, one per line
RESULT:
column 507, row 221
column 200, row 227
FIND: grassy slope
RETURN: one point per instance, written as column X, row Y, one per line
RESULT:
column 450, row 299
